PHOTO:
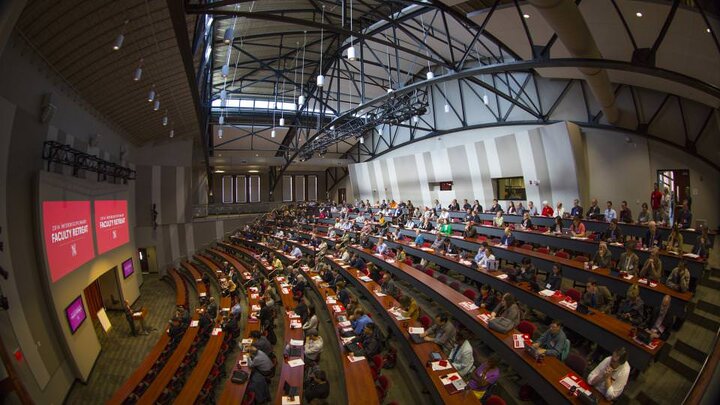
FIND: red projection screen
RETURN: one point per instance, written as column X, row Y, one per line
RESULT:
column 68, row 236
column 111, row 224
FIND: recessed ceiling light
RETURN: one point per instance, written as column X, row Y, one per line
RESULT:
column 253, row 171
column 526, row 15
column 219, row 171
column 638, row 14
column 708, row 30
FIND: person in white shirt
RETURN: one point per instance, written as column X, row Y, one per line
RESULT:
column 381, row 246
column 610, row 213
column 611, row 375
column 313, row 344
column 487, row 256
column 296, row 253
column 531, row 208
column 444, row 214
column 461, row 355
column 410, row 224
column 560, row 210
column 280, row 233
column 480, row 254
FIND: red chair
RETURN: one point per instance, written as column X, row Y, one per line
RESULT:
column 573, row 293
column 577, row 363
column 442, row 278
column 527, row 328
column 542, row 229
column 592, row 236
column 581, row 259
column 494, row 400
column 425, row 321
column 430, row 272
column 408, row 261
column 562, row 254
column 382, row 385
column 472, row 295
column 249, row 398
column 481, row 238
column 377, row 363
column 543, row 250
column 455, row 286
column 526, row 246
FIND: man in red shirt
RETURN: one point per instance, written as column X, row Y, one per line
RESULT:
column 655, row 201
column 547, row 210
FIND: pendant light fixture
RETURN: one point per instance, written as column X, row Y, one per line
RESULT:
column 447, row 103
column 320, row 77
column 165, row 119
column 301, row 97
column 120, row 38
column 138, row 71
column 351, row 50
column 156, row 106
column 429, row 75
column 273, row 133
column 221, row 120
column 151, row 94
column 172, row 133
column 220, row 133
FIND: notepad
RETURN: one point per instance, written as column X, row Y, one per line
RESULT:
column 292, row 315
column 468, row 305
column 547, row 293
column 202, row 294
column 449, row 378
column 247, row 341
column 440, row 365
column 365, row 279
column 216, row 331
column 353, row 359
column 296, row 342
column 415, row 330
column 484, row 317
column 331, row 300
column 194, row 324
column 502, row 276
column 380, row 293
column 295, row 362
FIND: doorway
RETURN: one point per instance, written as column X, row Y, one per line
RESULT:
column 677, row 181
column 342, row 195
column 148, row 259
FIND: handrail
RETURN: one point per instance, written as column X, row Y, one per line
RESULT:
column 205, row 210
column 709, row 369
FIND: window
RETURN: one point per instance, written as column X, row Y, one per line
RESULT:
column 227, row 189
column 254, row 189
column 241, row 189
column 509, row 188
column 312, row 188
column 287, row 188
column 299, row 188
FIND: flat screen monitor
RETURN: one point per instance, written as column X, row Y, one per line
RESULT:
column 127, row 268
column 68, row 236
column 75, row 314
column 446, row 185
column 111, row 224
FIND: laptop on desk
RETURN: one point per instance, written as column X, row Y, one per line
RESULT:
column 417, row 338
column 295, row 351
column 290, row 391
column 492, row 265
column 582, row 308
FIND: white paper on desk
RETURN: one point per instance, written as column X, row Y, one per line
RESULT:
column 288, row 401
column 628, row 277
column 255, row 307
column 437, row 367
column 415, row 330
column 296, row 362
column 194, row 324
column 484, row 317
column 203, row 294
column 247, row 341
column 293, row 315
column 346, row 340
column 295, row 325
column 365, row 279
column 380, row 293
column 502, row 276
column 198, row 280
column 296, row 342
column 254, row 296
column 642, row 281
column 390, row 261
column 216, row 331
column 448, row 379
column 547, row 293
column 243, row 361
column 330, row 300
column 353, row 359
column 691, row 255
column 285, row 291
column 468, row 305
column 253, row 289
column 137, row 313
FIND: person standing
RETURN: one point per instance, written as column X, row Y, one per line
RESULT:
column 656, row 202
column 129, row 316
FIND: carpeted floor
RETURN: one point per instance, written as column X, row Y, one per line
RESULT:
column 120, row 352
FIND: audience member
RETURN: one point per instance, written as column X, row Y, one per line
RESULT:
column 442, row 332
column 553, row 341
column 679, row 278
column 611, row 375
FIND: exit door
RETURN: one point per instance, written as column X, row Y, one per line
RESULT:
column 342, row 197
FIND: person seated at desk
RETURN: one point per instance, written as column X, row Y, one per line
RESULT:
column 495, row 207
column 313, row 345
column 426, row 225
column 343, row 293
column 260, row 361
column 613, row 232
column 625, row 213
column 466, row 205
column 507, row 308
column 370, row 340
column 652, row 236
column 532, row 210
column 597, row 296
column 499, row 221
column 311, row 320
column 576, row 210
column 448, row 248
column 409, row 307
column 553, row 341
column 345, row 255
column 632, row 308
column 409, row 224
column 684, row 218
column 486, row 257
column 611, row 375
column 547, row 210
column 507, row 239
column 554, row 279
column 556, row 227
column 296, row 252
column 461, row 355
column 661, row 321
column 702, row 244
column 679, row 278
column 603, row 257
column 486, row 299
column 300, row 284
column 609, row 212
column 511, row 208
column 454, row 206
column 359, row 320
column 437, row 244
column 675, row 241
column 400, row 256
column 520, row 210
column 419, row 238
column 652, row 268
column 526, row 223
column 470, row 231
column 484, row 376
column 629, row 260
column 442, row 332
column 645, row 215
column 374, row 272
column 277, row 264
column 258, row 384
column 388, row 285
column 444, row 214
column 593, row 211
column 358, row 263
column 316, row 386
column 526, row 272
column 381, row 247
column 560, row 210
column 445, row 227
column 477, row 207
column 175, row 331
